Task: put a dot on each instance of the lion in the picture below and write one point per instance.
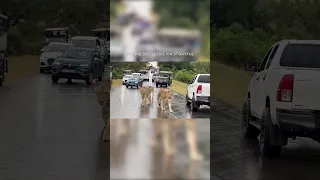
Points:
(166, 128)
(146, 94)
(102, 91)
(165, 96)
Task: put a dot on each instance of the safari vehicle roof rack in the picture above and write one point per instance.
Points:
(57, 29)
(3, 16)
(179, 32)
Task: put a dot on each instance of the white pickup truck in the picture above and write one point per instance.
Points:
(199, 92)
(283, 97)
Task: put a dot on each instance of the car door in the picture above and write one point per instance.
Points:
(261, 84)
(191, 87)
(254, 89)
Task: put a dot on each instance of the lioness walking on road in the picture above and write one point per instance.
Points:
(165, 96)
(146, 94)
(166, 128)
(102, 91)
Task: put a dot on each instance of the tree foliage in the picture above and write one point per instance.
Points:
(244, 30)
(36, 15)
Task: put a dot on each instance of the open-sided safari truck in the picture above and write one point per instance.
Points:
(102, 34)
(56, 35)
(3, 47)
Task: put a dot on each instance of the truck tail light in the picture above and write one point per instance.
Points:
(285, 89)
(199, 89)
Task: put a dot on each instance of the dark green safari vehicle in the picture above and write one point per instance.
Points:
(167, 74)
(78, 63)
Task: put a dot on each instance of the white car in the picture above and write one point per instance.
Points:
(51, 52)
(125, 78)
(283, 95)
(199, 91)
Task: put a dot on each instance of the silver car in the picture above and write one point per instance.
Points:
(51, 52)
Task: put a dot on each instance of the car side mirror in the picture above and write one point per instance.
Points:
(251, 66)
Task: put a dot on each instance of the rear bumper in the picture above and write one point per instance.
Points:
(203, 100)
(306, 121)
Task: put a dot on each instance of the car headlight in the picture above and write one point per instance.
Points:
(84, 65)
(56, 63)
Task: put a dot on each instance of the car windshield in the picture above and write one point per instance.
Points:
(165, 75)
(84, 43)
(204, 79)
(301, 55)
(133, 79)
(136, 74)
(77, 54)
(162, 77)
(128, 76)
(156, 75)
(56, 48)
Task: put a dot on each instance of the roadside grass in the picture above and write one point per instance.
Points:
(116, 83)
(20, 66)
(179, 87)
(203, 59)
(229, 84)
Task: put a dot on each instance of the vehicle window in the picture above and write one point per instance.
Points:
(77, 54)
(275, 49)
(84, 43)
(204, 79)
(264, 61)
(193, 79)
(56, 48)
(301, 55)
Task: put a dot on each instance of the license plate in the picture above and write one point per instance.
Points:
(68, 71)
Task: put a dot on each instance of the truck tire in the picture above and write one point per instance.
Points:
(187, 100)
(1, 82)
(194, 105)
(127, 86)
(248, 130)
(89, 79)
(156, 85)
(266, 148)
(54, 79)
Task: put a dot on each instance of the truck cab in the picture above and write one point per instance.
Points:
(3, 47)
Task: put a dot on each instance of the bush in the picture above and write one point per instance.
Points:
(185, 75)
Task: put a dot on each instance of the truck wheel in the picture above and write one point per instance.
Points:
(156, 85)
(127, 86)
(42, 71)
(1, 82)
(54, 79)
(101, 77)
(194, 105)
(248, 130)
(187, 100)
(266, 148)
(89, 79)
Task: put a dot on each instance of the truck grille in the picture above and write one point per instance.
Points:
(50, 61)
(66, 66)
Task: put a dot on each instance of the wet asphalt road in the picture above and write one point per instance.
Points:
(233, 157)
(132, 157)
(51, 132)
(126, 103)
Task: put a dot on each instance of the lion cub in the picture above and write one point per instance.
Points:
(165, 96)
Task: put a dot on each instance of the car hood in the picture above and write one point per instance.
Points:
(72, 61)
(51, 54)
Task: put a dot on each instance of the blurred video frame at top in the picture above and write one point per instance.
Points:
(160, 31)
